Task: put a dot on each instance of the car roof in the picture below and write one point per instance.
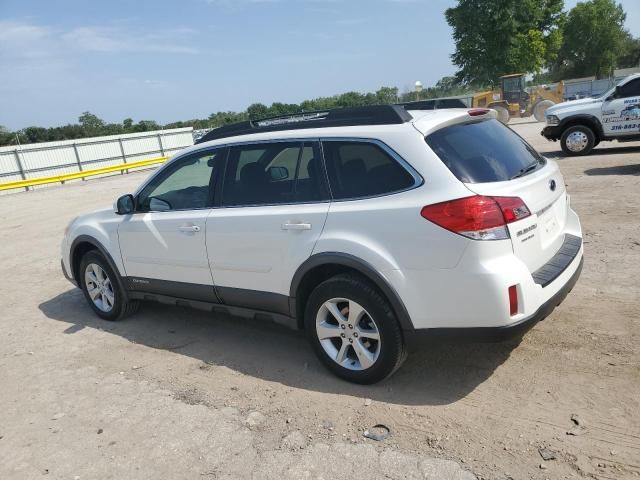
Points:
(424, 121)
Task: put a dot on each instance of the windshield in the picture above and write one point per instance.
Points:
(484, 151)
(514, 84)
(605, 94)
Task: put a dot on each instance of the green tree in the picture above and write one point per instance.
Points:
(278, 108)
(445, 87)
(146, 126)
(387, 95)
(35, 135)
(91, 123)
(6, 137)
(256, 111)
(630, 52)
(498, 37)
(127, 123)
(594, 37)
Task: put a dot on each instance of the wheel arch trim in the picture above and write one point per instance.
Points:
(362, 267)
(586, 120)
(80, 239)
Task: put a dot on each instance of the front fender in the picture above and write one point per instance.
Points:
(587, 119)
(99, 229)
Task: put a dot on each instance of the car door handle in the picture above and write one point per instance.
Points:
(296, 226)
(189, 228)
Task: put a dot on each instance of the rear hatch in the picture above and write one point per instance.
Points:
(493, 161)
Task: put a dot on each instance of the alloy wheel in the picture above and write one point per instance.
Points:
(99, 287)
(348, 334)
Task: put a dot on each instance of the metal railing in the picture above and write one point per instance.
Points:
(81, 174)
(34, 165)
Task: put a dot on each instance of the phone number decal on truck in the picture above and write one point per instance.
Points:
(626, 127)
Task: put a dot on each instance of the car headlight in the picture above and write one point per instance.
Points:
(553, 120)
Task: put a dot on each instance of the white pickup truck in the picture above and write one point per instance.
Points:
(580, 125)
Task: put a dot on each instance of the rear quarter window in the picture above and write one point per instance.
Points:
(363, 169)
(484, 151)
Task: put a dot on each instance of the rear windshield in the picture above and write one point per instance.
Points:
(484, 151)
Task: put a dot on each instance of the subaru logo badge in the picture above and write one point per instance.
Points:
(552, 185)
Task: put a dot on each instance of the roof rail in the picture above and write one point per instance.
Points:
(434, 104)
(338, 117)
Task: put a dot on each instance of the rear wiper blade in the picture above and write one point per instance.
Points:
(525, 170)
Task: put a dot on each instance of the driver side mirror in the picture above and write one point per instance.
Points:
(125, 205)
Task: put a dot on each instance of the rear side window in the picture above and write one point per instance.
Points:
(484, 151)
(362, 169)
(274, 173)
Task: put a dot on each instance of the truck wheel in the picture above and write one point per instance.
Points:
(577, 140)
(353, 330)
(541, 108)
(503, 113)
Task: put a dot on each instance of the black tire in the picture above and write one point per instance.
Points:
(588, 144)
(392, 352)
(503, 113)
(540, 109)
(122, 306)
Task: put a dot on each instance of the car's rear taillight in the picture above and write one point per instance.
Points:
(477, 217)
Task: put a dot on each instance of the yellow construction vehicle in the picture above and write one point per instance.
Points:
(514, 99)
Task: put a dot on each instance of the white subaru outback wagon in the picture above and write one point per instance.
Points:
(365, 227)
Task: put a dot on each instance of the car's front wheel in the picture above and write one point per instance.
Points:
(102, 287)
(354, 330)
(577, 140)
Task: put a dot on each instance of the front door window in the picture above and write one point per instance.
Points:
(183, 186)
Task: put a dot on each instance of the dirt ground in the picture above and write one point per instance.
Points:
(176, 393)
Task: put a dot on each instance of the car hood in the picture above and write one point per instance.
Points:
(100, 214)
(572, 104)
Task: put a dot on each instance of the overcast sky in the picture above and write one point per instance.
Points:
(169, 61)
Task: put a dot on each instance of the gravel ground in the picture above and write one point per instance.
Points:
(175, 393)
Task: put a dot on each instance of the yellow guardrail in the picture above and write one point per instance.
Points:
(85, 173)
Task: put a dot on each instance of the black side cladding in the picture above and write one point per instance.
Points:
(339, 117)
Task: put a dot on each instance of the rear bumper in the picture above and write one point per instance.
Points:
(559, 262)
(553, 132)
(503, 332)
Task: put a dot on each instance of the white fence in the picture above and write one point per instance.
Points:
(591, 87)
(70, 156)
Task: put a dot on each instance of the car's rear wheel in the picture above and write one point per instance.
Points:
(103, 289)
(354, 330)
(577, 140)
